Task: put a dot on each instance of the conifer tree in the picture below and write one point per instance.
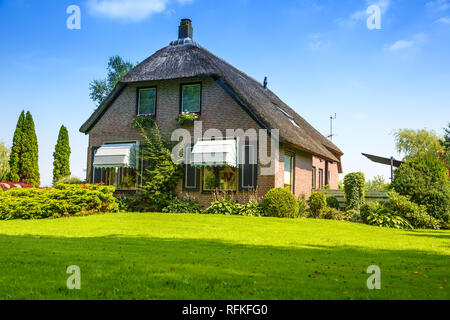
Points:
(29, 158)
(61, 156)
(15, 158)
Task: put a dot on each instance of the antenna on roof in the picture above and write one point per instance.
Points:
(265, 83)
(331, 135)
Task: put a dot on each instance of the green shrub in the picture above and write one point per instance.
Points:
(384, 217)
(252, 209)
(354, 187)
(63, 200)
(183, 205)
(279, 202)
(333, 202)
(302, 206)
(426, 182)
(331, 214)
(414, 213)
(368, 209)
(352, 215)
(316, 202)
(223, 206)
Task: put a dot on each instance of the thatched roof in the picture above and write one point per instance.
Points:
(186, 59)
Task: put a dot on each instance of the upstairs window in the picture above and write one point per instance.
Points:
(146, 101)
(191, 98)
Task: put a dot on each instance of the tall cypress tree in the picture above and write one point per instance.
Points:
(61, 156)
(30, 166)
(15, 158)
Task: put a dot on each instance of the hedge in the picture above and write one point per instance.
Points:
(63, 200)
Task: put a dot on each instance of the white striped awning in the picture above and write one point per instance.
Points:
(116, 155)
(214, 153)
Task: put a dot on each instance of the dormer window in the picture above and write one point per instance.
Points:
(191, 98)
(146, 101)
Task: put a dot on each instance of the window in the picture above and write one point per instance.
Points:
(289, 172)
(121, 178)
(314, 178)
(219, 178)
(146, 101)
(248, 169)
(320, 178)
(191, 98)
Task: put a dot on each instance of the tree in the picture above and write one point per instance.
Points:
(426, 182)
(4, 161)
(117, 68)
(61, 156)
(446, 141)
(29, 159)
(377, 184)
(417, 143)
(15, 158)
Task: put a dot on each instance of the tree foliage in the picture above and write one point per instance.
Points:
(354, 188)
(417, 143)
(377, 184)
(30, 153)
(160, 176)
(4, 161)
(61, 156)
(117, 68)
(426, 182)
(15, 163)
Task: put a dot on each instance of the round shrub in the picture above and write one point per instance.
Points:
(316, 202)
(333, 202)
(354, 187)
(281, 203)
(223, 206)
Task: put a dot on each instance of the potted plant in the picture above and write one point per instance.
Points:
(187, 118)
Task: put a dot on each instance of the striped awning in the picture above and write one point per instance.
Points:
(214, 153)
(116, 155)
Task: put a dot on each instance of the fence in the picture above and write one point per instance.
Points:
(370, 196)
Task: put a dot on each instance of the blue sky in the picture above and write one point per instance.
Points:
(319, 57)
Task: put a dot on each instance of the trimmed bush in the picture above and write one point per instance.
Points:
(354, 187)
(279, 202)
(183, 205)
(333, 202)
(63, 200)
(316, 202)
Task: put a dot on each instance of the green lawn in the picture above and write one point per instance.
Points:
(164, 256)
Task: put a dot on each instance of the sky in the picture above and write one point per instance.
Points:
(320, 57)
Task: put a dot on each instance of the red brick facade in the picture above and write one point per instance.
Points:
(218, 111)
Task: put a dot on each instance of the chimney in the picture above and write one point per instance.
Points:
(265, 83)
(185, 29)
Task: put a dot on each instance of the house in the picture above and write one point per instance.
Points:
(185, 77)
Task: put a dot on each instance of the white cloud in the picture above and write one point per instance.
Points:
(400, 44)
(317, 43)
(362, 14)
(130, 10)
(405, 44)
(444, 20)
(440, 5)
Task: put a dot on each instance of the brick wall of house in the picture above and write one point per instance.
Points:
(319, 163)
(219, 111)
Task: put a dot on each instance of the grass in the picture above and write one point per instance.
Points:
(164, 256)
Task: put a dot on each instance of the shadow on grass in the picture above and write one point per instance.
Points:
(116, 267)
